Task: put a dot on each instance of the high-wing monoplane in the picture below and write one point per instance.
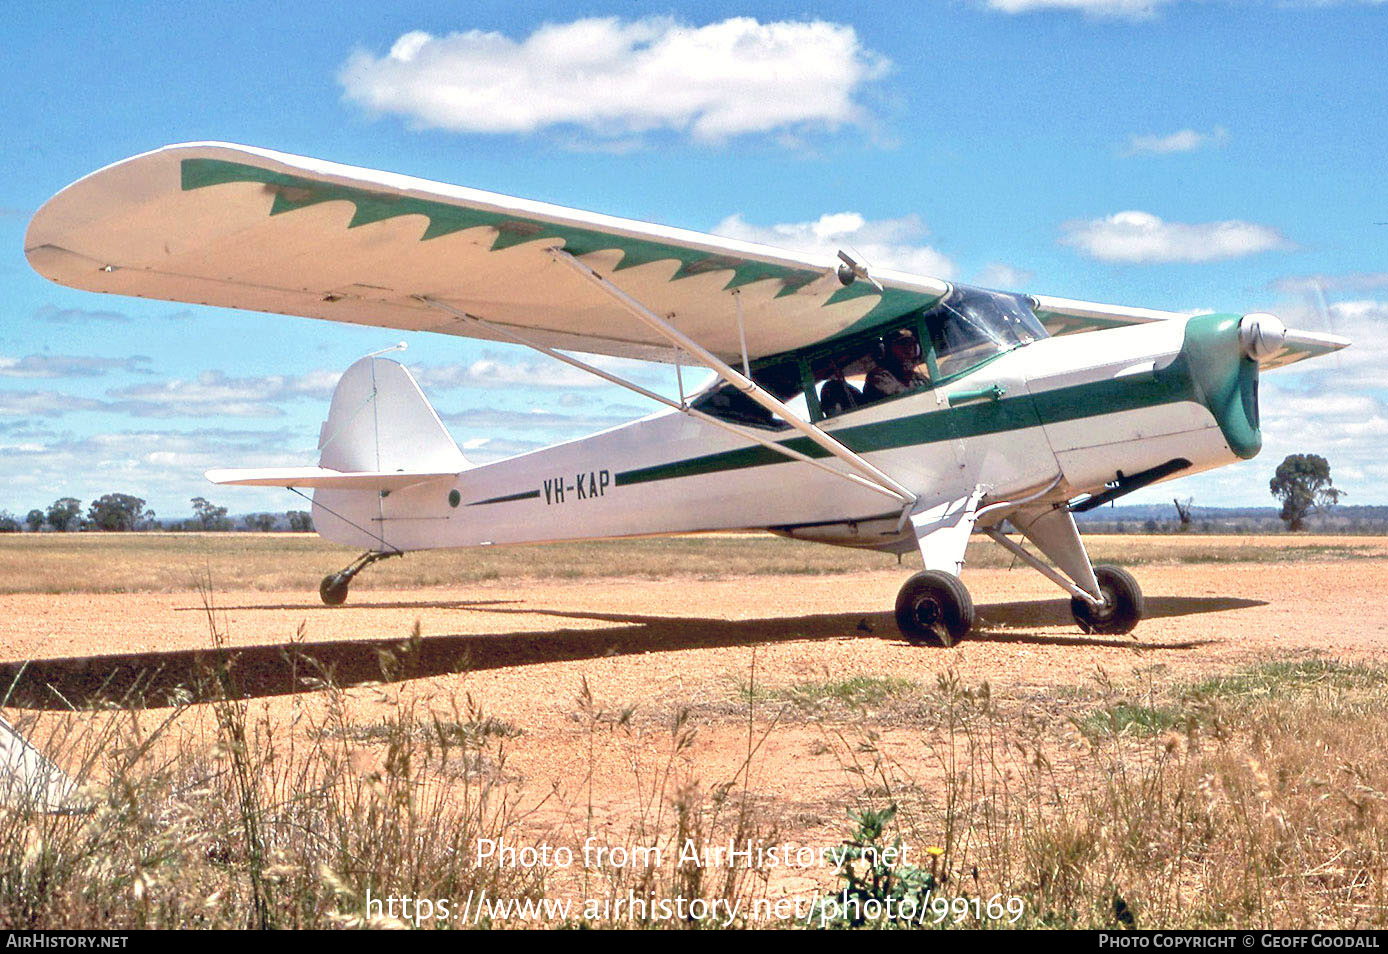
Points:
(850, 406)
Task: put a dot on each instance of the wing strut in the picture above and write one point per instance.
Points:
(737, 379)
(506, 332)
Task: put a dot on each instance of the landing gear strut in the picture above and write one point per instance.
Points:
(333, 588)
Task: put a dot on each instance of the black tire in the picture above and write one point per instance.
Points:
(1122, 604)
(934, 609)
(333, 590)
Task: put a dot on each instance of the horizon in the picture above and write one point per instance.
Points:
(934, 140)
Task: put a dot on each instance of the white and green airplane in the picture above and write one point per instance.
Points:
(866, 409)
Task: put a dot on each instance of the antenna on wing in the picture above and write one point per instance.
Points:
(850, 271)
(398, 346)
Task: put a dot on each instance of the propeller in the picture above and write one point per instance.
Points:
(1325, 315)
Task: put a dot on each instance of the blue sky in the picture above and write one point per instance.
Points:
(1214, 155)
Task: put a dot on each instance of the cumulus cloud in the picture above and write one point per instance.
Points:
(213, 393)
(534, 419)
(43, 403)
(616, 79)
(1004, 277)
(496, 371)
(164, 467)
(78, 316)
(1186, 140)
(68, 366)
(1314, 284)
(880, 243)
(1130, 9)
(1141, 238)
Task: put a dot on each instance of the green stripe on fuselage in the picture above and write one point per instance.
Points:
(1169, 386)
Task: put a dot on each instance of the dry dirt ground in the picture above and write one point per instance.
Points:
(523, 652)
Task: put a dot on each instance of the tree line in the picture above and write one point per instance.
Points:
(124, 512)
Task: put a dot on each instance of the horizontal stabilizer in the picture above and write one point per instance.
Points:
(323, 477)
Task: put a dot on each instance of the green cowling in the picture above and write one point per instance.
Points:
(1226, 378)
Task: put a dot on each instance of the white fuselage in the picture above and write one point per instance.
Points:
(1081, 408)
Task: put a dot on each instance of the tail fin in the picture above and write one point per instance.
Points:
(381, 437)
(381, 422)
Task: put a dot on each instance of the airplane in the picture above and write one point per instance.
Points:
(850, 405)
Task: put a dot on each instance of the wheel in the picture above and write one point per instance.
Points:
(1122, 603)
(333, 589)
(934, 608)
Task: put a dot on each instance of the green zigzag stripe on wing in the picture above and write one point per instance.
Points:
(295, 192)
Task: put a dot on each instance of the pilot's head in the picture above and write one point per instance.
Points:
(902, 347)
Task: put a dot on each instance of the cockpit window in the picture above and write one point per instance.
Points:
(972, 325)
(965, 329)
(727, 402)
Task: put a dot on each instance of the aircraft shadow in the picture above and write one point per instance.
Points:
(152, 679)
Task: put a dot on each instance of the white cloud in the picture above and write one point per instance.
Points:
(1004, 277)
(68, 366)
(1144, 239)
(1131, 9)
(1186, 140)
(1313, 284)
(495, 371)
(883, 243)
(617, 78)
(43, 403)
(213, 393)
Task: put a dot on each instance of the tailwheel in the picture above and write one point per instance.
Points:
(1122, 607)
(333, 588)
(934, 608)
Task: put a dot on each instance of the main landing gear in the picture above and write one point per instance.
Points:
(333, 588)
(934, 607)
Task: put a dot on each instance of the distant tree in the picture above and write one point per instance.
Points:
(8, 523)
(1302, 483)
(1183, 511)
(1150, 526)
(118, 512)
(65, 513)
(300, 521)
(261, 522)
(209, 516)
(35, 520)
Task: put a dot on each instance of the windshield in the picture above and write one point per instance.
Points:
(973, 325)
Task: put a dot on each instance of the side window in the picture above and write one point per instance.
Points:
(730, 404)
(900, 370)
(869, 371)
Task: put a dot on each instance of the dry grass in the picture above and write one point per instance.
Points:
(1237, 809)
(1264, 803)
(175, 562)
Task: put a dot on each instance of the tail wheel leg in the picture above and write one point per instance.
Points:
(333, 588)
(1122, 607)
(934, 608)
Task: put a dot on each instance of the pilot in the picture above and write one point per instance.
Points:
(897, 372)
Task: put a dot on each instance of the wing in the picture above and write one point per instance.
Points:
(1065, 316)
(247, 228)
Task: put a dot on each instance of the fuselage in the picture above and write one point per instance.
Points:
(1077, 412)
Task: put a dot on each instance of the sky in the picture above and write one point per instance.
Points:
(1192, 155)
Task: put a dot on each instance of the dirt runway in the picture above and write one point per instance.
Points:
(523, 651)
